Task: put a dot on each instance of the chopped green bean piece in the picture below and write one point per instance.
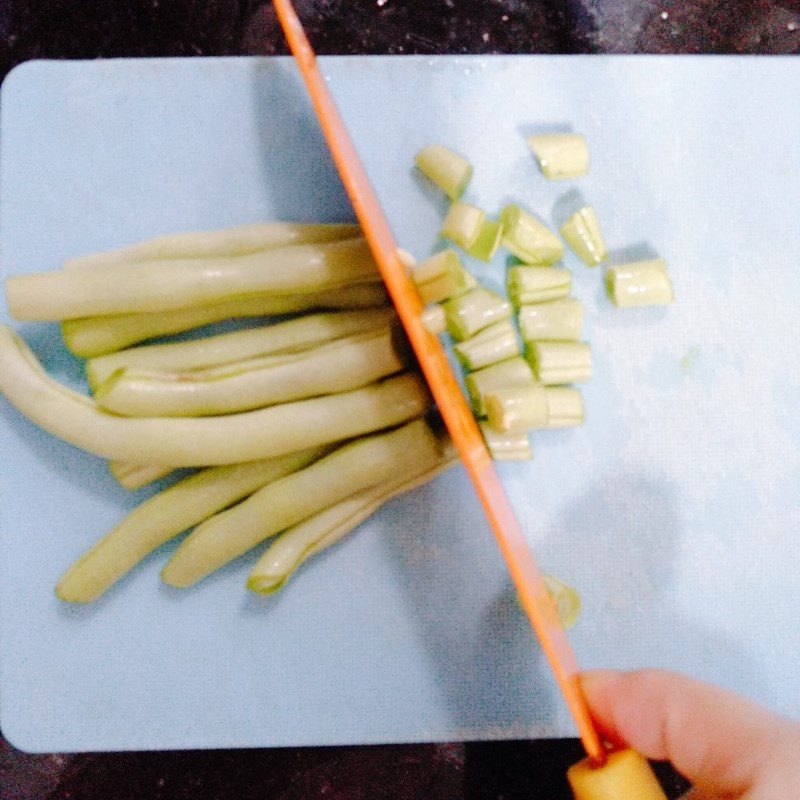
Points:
(488, 240)
(506, 446)
(462, 224)
(528, 239)
(556, 363)
(495, 343)
(644, 283)
(472, 312)
(434, 320)
(440, 277)
(517, 408)
(561, 155)
(505, 374)
(567, 600)
(448, 170)
(564, 407)
(537, 284)
(582, 233)
(552, 321)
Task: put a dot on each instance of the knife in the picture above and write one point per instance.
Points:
(599, 767)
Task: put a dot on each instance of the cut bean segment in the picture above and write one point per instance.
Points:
(150, 286)
(556, 363)
(564, 407)
(167, 514)
(489, 238)
(528, 239)
(644, 283)
(472, 312)
(561, 155)
(448, 170)
(496, 343)
(567, 600)
(517, 409)
(559, 320)
(279, 505)
(237, 241)
(462, 225)
(434, 319)
(506, 446)
(537, 284)
(505, 374)
(582, 233)
(440, 277)
(95, 336)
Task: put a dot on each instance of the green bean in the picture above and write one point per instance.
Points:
(279, 505)
(244, 385)
(205, 441)
(167, 514)
(166, 285)
(95, 336)
(238, 241)
(303, 541)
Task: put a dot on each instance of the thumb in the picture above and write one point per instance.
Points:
(719, 741)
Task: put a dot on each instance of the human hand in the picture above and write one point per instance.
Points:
(726, 746)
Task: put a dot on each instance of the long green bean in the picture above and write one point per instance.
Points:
(225, 348)
(167, 514)
(205, 441)
(238, 241)
(301, 542)
(279, 505)
(165, 285)
(244, 385)
(95, 336)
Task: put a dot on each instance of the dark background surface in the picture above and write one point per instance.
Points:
(113, 28)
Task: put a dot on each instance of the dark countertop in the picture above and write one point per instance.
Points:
(108, 28)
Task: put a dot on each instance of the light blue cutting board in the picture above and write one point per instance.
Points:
(674, 511)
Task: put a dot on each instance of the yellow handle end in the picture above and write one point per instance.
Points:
(625, 776)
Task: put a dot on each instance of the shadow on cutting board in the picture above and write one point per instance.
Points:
(493, 682)
(293, 153)
(617, 544)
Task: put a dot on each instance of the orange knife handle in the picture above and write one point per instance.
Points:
(625, 776)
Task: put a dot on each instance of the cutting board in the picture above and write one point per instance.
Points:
(674, 511)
